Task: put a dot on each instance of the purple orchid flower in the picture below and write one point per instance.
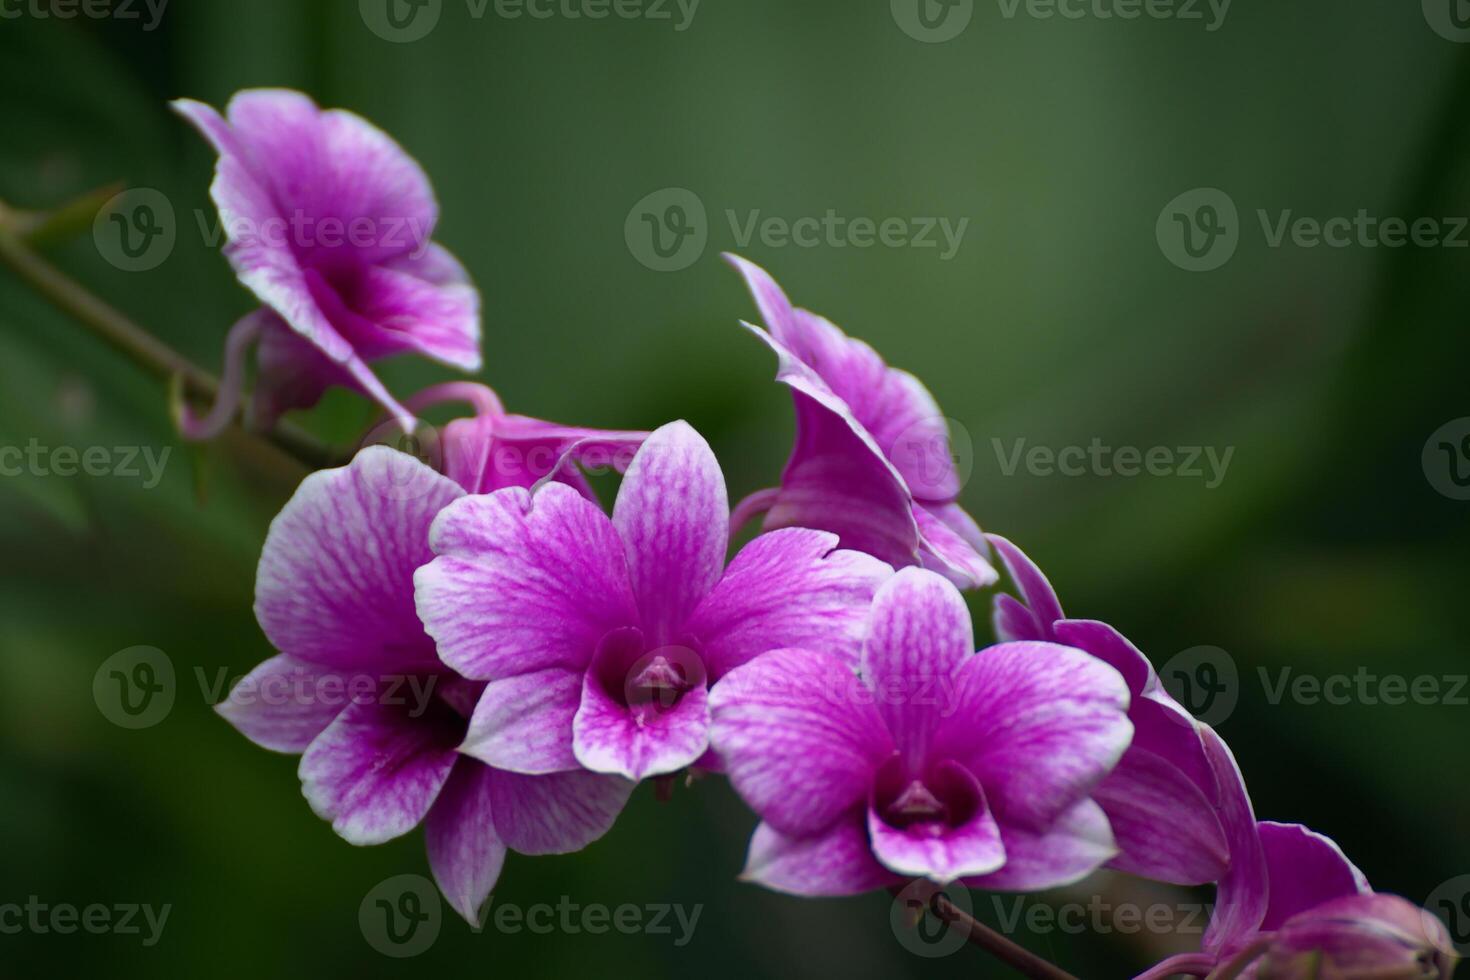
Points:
(493, 449)
(599, 637)
(872, 461)
(328, 222)
(1291, 906)
(360, 691)
(1162, 797)
(933, 761)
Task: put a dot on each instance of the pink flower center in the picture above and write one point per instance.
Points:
(646, 682)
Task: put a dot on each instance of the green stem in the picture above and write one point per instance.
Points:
(1017, 957)
(138, 345)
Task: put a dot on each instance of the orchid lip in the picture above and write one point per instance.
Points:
(646, 682)
(938, 801)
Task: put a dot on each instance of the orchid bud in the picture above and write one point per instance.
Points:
(1361, 937)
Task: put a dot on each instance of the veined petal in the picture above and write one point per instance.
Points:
(280, 704)
(1068, 850)
(1039, 724)
(423, 303)
(673, 515)
(523, 583)
(919, 635)
(787, 588)
(465, 852)
(1039, 599)
(609, 737)
(1165, 827)
(947, 547)
(837, 478)
(1305, 870)
(835, 861)
(1242, 895)
(524, 723)
(799, 737)
(335, 582)
(558, 813)
(375, 771)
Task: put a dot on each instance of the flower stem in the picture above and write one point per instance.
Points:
(1020, 959)
(137, 344)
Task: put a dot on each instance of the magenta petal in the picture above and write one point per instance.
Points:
(837, 478)
(835, 861)
(1076, 844)
(610, 737)
(674, 518)
(946, 547)
(1040, 725)
(524, 723)
(423, 303)
(788, 588)
(280, 704)
(1305, 870)
(920, 633)
(523, 583)
(971, 847)
(798, 739)
(1039, 597)
(335, 582)
(465, 852)
(1243, 892)
(374, 772)
(558, 813)
(1165, 827)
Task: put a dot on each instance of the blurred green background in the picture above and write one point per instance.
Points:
(1326, 548)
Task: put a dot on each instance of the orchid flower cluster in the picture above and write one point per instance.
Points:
(829, 669)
